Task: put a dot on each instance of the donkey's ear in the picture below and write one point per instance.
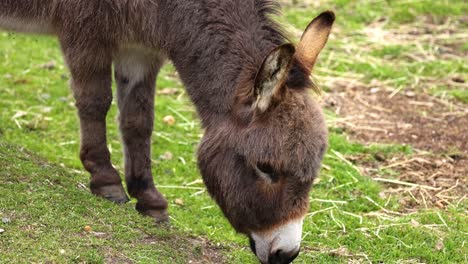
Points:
(272, 75)
(314, 38)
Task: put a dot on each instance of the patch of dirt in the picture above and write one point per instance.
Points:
(208, 252)
(423, 181)
(117, 258)
(383, 115)
(194, 250)
(444, 35)
(197, 250)
(436, 175)
(342, 252)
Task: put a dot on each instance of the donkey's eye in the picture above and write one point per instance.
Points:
(266, 172)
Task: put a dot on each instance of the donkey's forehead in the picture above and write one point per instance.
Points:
(293, 138)
(276, 143)
(291, 122)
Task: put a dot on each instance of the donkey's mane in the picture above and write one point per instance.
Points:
(269, 30)
(266, 9)
(298, 77)
(220, 47)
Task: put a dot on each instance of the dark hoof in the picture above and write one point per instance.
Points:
(159, 215)
(114, 193)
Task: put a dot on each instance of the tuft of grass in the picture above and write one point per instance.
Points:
(459, 94)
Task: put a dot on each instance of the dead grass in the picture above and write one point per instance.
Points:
(198, 250)
(426, 30)
(384, 111)
(435, 176)
(422, 181)
(376, 113)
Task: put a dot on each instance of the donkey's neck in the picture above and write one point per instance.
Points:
(213, 43)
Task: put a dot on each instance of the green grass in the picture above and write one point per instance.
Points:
(48, 210)
(355, 14)
(379, 41)
(460, 94)
(41, 178)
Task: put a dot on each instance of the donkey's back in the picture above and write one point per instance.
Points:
(100, 20)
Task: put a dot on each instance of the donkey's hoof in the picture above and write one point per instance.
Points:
(159, 215)
(114, 193)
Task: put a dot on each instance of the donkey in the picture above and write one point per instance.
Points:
(264, 138)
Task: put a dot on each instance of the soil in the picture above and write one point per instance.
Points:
(419, 120)
(437, 173)
(197, 250)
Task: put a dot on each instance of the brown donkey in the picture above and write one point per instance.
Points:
(264, 135)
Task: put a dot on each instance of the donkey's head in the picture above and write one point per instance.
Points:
(260, 164)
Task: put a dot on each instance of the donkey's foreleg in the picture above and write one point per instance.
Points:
(135, 73)
(93, 95)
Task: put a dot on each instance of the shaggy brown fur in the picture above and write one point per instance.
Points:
(249, 90)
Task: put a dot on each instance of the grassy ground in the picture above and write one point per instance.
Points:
(45, 204)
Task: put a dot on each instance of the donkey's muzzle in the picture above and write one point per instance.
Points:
(280, 245)
(278, 257)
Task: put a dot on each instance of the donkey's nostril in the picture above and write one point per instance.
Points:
(281, 257)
